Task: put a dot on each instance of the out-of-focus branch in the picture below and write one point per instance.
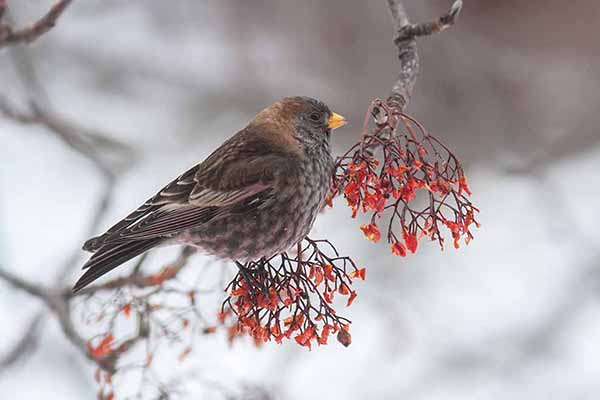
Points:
(59, 302)
(108, 156)
(90, 144)
(27, 342)
(55, 302)
(407, 48)
(21, 284)
(25, 346)
(10, 36)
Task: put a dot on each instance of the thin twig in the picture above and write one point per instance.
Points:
(58, 301)
(407, 49)
(28, 287)
(90, 144)
(24, 346)
(9, 36)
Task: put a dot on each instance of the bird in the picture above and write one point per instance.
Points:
(255, 196)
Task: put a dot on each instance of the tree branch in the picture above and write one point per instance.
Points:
(88, 143)
(25, 346)
(55, 302)
(21, 284)
(59, 302)
(8, 36)
(91, 145)
(406, 33)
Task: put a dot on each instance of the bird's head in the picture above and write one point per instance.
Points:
(300, 121)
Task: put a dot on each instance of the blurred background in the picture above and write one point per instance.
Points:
(513, 88)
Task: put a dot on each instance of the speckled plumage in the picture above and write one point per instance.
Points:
(256, 195)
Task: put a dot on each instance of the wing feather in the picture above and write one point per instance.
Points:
(241, 174)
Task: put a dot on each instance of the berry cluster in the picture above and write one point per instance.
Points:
(284, 297)
(400, 171)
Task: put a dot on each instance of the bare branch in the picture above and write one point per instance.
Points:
(21, 284)
(24, 346)
(90, 144)
(8, 36)
(407, 49)
(54, 302)
(59, 306)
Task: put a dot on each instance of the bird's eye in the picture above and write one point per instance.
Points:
(315, 116)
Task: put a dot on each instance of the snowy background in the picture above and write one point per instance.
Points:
(514, 87)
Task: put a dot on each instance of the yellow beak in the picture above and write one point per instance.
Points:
(336, 121)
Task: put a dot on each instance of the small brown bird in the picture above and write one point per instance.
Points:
(255, 196)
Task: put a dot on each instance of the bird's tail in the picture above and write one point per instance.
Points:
(110, 256)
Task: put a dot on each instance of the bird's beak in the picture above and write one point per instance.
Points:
(336, 121)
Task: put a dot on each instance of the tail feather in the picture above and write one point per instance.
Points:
(109, 257)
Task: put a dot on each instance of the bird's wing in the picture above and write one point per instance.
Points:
(238, 176)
